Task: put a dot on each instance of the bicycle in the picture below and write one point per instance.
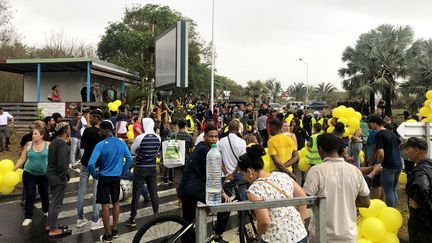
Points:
(174, 229)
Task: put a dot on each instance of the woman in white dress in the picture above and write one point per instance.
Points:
(284, 224)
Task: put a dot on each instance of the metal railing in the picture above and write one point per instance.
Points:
(318, 208)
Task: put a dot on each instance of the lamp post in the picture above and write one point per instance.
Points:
(307, 81)
(212, 62)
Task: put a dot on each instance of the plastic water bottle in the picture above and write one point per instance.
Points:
(213, 182)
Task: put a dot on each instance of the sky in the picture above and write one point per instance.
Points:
(255, 40)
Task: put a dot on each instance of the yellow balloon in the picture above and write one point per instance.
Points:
(130, 135)
(354, 122)
(112, 106)
(130, 128)
(303, 165)
(363, 240)
(389, 238)
(337, 112)
(425, 111)
(427, 103)
(343, 120)
(20, 173)
(10, 179)
(429, 94)
(379, 204)
(350, 112)
(330, 129)
(373, 229)
(329, 123)
(6, 189)
(117, 103)
(372, 211)
(361, 154)
(358, 115)
(391, 218)
(157, 160)
(347, 132)
(403, 178)
(303, 152)
(6, 166)
(1, 179)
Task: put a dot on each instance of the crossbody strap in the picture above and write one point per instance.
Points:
(280, 190)
(232, 150)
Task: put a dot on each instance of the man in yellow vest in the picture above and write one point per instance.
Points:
(190, 121)
(316, 118)
(312, 155)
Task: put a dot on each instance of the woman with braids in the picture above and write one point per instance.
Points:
(284, 224)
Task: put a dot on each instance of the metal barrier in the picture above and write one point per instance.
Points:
(318, 208)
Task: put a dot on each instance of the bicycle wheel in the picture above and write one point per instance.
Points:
(166, 228)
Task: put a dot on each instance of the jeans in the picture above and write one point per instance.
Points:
(57, 195)
(389, 181)
(75, 144)
(355, 149)
(4, 129)
(30, 181)
(144, 176)
(82, 191)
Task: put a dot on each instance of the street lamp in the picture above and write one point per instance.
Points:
(212, 62)
(307, 81)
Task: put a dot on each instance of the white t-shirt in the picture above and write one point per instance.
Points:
(199, 139)
(4, 118)
(340, 183)
(83, 125)
(238, 147)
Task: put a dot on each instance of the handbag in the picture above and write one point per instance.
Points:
(173, 152)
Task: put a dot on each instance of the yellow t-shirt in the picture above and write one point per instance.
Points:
(283, 147)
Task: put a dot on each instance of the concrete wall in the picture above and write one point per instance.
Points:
(70, 84)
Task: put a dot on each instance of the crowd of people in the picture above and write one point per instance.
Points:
(98, 144)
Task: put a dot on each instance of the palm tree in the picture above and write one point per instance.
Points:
(274, 88)
(256, 90)
(323, 90)
(297, 90)
(419, 58)
(377, 60)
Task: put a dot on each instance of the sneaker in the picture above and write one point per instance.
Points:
(114, 233)
(81, 223)
(46, 215)
(105, 238)
(96, 225)
(26, 222)
(131, 222)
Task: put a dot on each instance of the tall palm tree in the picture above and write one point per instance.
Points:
(297, 90)
(274, 88)
(419, 58)
(256, 90)
(323, 90)
(377, 60)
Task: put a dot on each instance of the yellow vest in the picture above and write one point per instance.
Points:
(192, 124)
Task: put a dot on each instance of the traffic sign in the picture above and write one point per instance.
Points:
(417, 129)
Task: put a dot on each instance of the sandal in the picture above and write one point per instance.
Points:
(65, 232)
(62, 227)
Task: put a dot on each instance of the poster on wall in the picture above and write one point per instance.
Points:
(72, 108)
(47, 109)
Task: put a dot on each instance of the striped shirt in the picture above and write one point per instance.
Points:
(148, 151)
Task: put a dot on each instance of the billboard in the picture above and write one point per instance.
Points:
(172, 57)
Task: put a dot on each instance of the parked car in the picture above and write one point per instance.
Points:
(293, 104)
(276, 106)
(317, 105)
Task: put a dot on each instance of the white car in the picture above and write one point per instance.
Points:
(293, 104)
(276, 106)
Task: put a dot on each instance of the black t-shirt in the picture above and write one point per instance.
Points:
(25, 139)
(387, 140)
(90, 137)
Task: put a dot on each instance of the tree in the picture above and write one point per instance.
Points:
(376, 62)
(274, 88)
(223, 83)
(297, 90)
(131, 43)
(419, 58)
(256, 90)
(323, 90)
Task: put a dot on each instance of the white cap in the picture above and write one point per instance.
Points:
(316, 113)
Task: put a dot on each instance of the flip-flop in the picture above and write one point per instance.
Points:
(64, 233)
(62, 227)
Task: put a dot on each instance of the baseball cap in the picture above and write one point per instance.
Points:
(97, 112)
(61, 125)
(415, 142)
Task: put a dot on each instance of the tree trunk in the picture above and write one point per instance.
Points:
(388, 102)
(372, 102)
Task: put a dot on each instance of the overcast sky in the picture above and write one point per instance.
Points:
(254, 39)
